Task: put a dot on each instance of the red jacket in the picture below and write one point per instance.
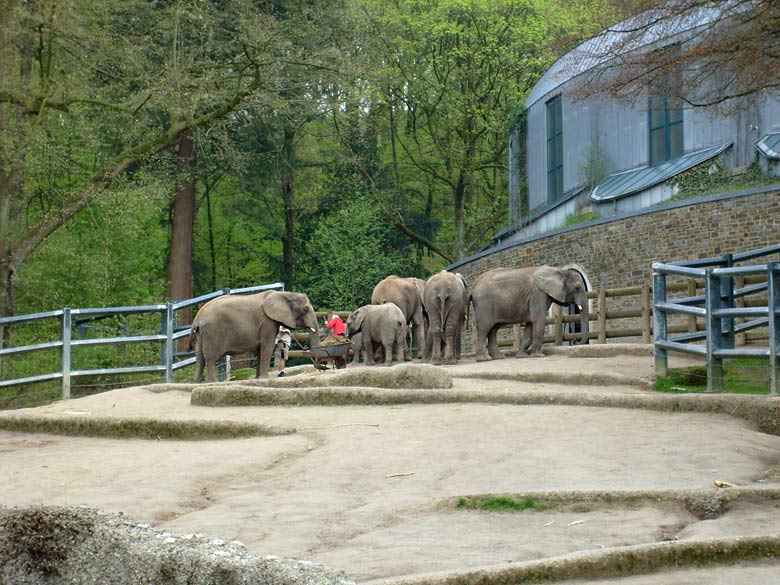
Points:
(337, 324)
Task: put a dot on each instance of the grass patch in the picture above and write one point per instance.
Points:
(748, 376)
(578, 218)
(500, 504)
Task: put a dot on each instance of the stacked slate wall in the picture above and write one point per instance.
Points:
(618, 252)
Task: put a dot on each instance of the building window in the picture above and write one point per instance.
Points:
(666, 129)
(554, 149)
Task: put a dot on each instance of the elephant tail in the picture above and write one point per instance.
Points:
(193, 337)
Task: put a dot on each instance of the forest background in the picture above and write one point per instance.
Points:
(158, 149)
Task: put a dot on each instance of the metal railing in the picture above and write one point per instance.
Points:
(719, 309)
(168, 335)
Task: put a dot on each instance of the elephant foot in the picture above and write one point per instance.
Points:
(497, 356)
(536, 354)
(435, 362)
(450, 362)
(483, 357)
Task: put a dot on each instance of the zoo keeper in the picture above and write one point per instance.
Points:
(283, 341)
(336, 324)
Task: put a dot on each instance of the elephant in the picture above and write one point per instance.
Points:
(379, 324)
(406, 294)
(523, 295)
(446, 300)
(357, 348)
(234, 324)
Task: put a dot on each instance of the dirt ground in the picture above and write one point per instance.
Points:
(372, 490)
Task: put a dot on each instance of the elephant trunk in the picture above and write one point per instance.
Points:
(584, 322)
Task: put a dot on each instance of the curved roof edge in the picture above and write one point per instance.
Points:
(629, 35)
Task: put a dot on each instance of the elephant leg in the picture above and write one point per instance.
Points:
(526, 343)
(434, 331)
(199, 363)
(211, 368)
(458, 340)
(537, 337)
(357, 348)
(449, 344)
(368, 350)
(428, 352)
(400, 346)
(418, 321)
(387, 344)
(264, 351)
(436, 354)
(481, 349)
(493, 343)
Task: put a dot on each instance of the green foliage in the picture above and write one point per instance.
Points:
(711, 178)
(747, 376)
(579, 217)
(593, 167)
(320, 130)
(352, 250)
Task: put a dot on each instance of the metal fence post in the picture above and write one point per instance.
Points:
(170, 326)
(659, 324)
(67, 332)
(716, 339)
(223, 366)
(773, 277)
(727, 300)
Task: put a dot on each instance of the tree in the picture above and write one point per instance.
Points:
(718, 51)
(450, 73)
(98, 94)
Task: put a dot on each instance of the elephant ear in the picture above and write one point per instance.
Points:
(357, 319)
(277, 307)
(550, 281)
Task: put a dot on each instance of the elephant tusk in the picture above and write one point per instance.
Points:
(313, 330)
(579, 307)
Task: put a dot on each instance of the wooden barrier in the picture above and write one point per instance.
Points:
(601, 316)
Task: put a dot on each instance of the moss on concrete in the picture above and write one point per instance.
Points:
(617, 562)
(761, 411)
(135, 428)
(704, 504)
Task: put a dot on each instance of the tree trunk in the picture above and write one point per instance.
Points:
(458, 205)
(288, 196)
(183, 221)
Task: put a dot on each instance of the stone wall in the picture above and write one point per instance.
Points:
(618, 252)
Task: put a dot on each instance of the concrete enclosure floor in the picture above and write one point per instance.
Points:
(373, 490)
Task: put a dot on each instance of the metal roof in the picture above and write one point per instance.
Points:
(636, 180)
(769, 145)
(633, 33)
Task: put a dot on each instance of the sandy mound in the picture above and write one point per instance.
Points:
(80, 545)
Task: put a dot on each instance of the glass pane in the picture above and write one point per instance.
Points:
(674, 105)
(550, 154)
(657, 146)
(676, 144)
(657, 112)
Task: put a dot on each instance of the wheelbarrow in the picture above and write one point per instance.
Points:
(336, 353)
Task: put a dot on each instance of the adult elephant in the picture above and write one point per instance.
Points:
(383, 325)
(406, 294)
(234, 324)
(523, 295)
(446, 299)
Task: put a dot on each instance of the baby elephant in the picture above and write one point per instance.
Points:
(379, 324)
